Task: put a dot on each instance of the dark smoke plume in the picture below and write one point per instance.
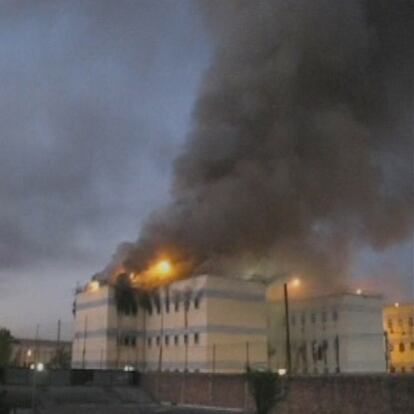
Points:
(301, 149)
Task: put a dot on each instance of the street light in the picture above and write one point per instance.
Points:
(295, 283)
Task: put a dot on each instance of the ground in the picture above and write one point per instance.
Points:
(95, 400)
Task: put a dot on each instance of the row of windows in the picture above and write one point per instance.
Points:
(401, 323)
(175, 339)
(129, 340)
(403, 369)
(314, 317)
(402, 347)
(175, 305)
(133, 310)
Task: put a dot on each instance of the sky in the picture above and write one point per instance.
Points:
(96, 102)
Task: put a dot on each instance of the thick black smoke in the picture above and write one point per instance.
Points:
(301, 149)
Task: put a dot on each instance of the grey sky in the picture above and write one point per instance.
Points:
(95, 101)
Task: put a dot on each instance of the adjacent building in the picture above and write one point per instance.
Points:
(26, 352)
(338, 333)
(205, 323)
(399, 327)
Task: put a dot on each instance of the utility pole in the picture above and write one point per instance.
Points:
(85, 329)
(58, 344)
(35, 358)
(288, 350)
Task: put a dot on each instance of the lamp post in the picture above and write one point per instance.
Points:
(288, 349)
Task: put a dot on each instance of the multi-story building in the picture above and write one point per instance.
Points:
(338, 333)
(399, 327)
(26, 352)
(205, 323)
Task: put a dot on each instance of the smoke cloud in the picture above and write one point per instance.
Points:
(301, 146)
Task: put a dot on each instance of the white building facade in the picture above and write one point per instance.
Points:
(339, 333)
(205, 323)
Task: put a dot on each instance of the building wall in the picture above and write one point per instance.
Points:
(330, 334)
(205, 323)
(399, 325)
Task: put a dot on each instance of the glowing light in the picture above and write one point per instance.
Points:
(296, 282)
(29, 352)
(32, 366)
(131, 276)
(282, 371)
(40, 367)
(129, 368)
(359, 291)
(93, 286)
(396, 304)
(163, 267)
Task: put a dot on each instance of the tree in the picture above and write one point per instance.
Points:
(266, 388)
(6, 340)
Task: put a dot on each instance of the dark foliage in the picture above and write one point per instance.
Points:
(266, 388)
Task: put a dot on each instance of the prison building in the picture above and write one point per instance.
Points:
(337, 333)
(399, 327)
(204, 323)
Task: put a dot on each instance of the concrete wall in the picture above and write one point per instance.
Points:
(348, 394)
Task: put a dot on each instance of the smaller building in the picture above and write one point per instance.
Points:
(399, 327)
(26, 352)
(338, 333)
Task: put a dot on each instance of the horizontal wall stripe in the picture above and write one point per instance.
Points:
(170, 365)
(223, 329)
(203, 293)
(95, 304)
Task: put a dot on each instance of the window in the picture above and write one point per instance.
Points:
(402, 347)
(391, 347)
(176, 340)
(177, 303)
(186, 339)
(158, 306)
(196, 302)
(150, 310)
(303, 319)
(126, 340)
(400, 322)
(403, 370)
(167, 340)
(133, 341)
(167, 302)
(412, 346)
(335, 315)
(149, 342)
(324, 316)
(390, 327)
(313, 317)
(196, 338)
(158, 341)
(410, 322)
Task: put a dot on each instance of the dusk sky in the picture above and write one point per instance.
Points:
(96, 102)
